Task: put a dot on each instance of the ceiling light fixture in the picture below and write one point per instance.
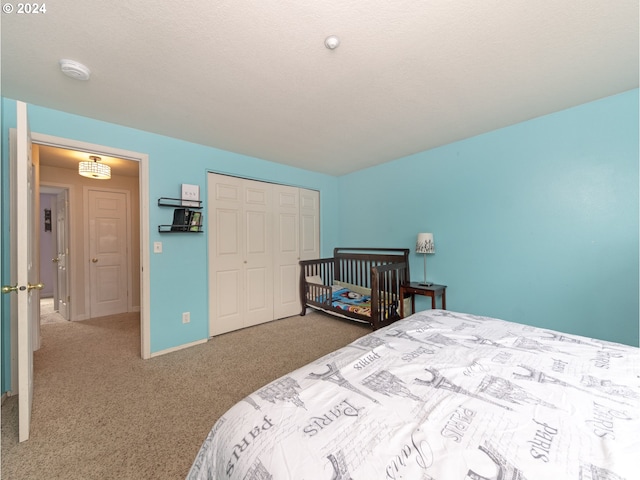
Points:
(74, 69)
(93, 169)
(332, 42)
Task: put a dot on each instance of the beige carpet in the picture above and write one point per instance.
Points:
(101, 412)
(47, 312)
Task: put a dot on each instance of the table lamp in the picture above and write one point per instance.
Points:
(425, 245)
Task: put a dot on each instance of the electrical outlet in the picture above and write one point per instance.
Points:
(186, 317)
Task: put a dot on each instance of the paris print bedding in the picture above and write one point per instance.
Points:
(437, 396)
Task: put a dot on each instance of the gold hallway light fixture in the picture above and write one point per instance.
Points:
(93, 169)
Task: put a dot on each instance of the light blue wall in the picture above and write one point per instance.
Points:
(178, 275)
(535, 223)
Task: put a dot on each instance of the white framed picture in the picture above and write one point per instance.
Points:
(190, 195)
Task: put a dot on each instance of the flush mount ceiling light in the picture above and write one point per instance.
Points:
(74, 69)
(331, 42)
(93, 169)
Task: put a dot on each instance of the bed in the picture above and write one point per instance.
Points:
(440, 395)
(361, 284)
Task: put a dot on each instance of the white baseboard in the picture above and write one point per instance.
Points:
(180, 347)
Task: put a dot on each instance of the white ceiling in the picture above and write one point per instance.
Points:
(254, 76)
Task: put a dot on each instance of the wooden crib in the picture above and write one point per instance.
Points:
(373, 272)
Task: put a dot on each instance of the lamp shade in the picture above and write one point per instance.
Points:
(425, 244)
(93, 169)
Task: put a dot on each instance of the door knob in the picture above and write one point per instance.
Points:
(9, 288)
(37, 286)
(55, 260)
(94, 260)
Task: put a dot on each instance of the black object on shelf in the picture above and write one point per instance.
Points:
(180, 220)
(184, 219)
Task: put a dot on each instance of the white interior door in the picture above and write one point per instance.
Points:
(62, 255)
(286, 251)
(24, 271)
(108, 252)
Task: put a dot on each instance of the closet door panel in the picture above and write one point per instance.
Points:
(309, 224)
(256, 231)
(289, 289)
(226, 252)
(259, 296)
(288, 240)
(227, 233)
(258, 260)
(228, 308)
(286, 254)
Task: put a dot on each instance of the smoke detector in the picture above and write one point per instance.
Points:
(74, 69)
(332, 42)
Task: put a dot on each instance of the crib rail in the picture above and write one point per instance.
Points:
(316, 294)
(353, 265)
(386, 280)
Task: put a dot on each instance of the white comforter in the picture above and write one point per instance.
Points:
(441, 395)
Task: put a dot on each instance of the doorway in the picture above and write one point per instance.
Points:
(58, 165)
(99, 214)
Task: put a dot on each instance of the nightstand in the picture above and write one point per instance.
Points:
(414, 288)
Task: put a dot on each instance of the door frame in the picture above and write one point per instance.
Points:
(143, 186)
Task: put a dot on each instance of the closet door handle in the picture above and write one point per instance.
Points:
(94, 260)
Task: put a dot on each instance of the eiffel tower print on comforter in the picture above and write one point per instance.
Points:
(440, 395)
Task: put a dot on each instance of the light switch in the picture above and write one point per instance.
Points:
(157, 247)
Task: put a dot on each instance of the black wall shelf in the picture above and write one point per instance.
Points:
(184, 212)
(178, 202)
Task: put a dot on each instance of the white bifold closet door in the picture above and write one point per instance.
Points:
(286, 251)
(256, 232)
